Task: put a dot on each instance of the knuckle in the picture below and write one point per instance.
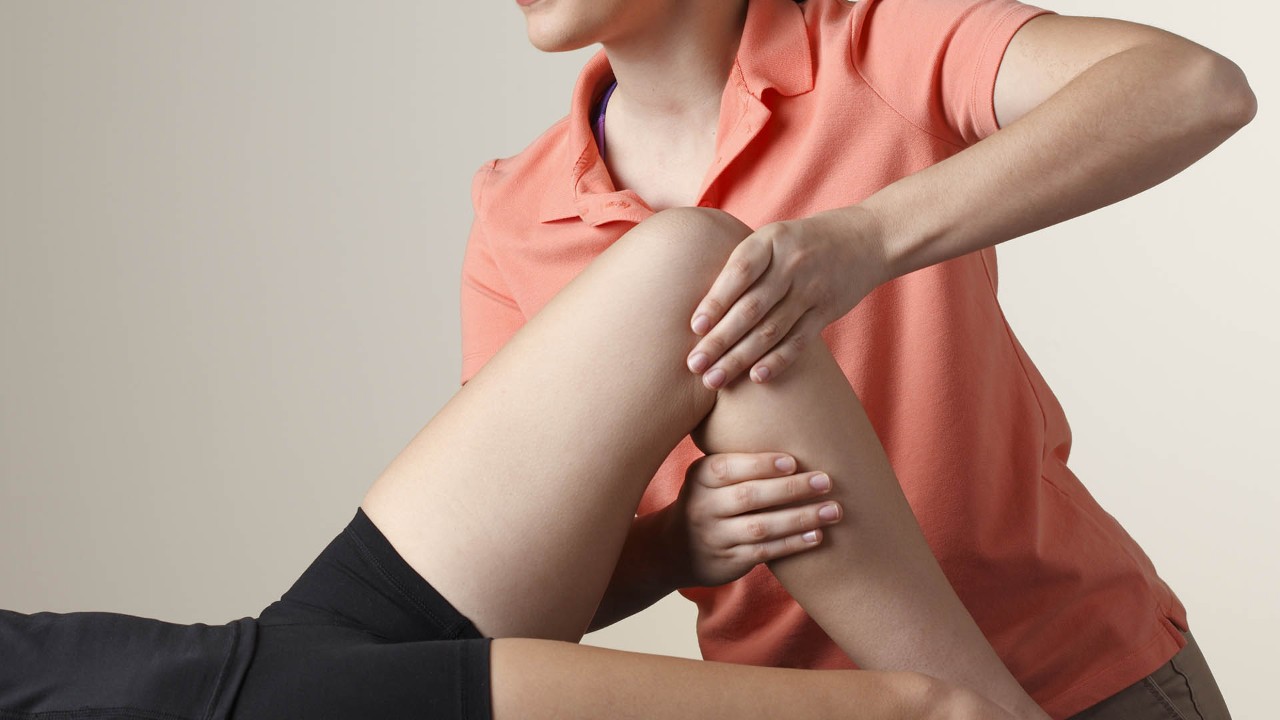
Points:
(731, 364)
(760, 553)
(715, 345)
(807, 520)
(739, 266)
(744, 497)
(795, 544)
(797, 487)
(770, 330)
(757, 530)
(719, 466)
(752, 307)
(799, 341)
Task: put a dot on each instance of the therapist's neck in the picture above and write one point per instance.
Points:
(677, 71)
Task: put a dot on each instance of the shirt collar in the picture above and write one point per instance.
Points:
(773, 54)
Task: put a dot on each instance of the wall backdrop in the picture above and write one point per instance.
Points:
(230, 241)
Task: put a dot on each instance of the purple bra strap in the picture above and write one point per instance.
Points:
(599, 123)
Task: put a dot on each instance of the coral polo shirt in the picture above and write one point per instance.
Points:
(826, 103)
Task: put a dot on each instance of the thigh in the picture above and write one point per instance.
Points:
(1182, 689)
(333, 672)
(96, 665)
(515, 500)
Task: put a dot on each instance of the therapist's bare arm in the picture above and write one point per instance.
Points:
(1094, 110)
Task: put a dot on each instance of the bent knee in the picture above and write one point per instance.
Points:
(699, 239)
(710, 226)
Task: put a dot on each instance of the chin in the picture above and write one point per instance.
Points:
(557, 40)
(563, 25)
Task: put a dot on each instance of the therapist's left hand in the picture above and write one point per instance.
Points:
(780, 288)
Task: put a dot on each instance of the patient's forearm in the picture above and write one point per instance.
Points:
(874, 586)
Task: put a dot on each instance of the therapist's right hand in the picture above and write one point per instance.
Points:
(737, 510)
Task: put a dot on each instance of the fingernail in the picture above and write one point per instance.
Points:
(699, 362)
(820, 482)
(811, 536)
(761, 373)
(785, 464)
(715, 378)
(701, 323)
(830, 511)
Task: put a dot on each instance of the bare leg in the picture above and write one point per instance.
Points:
(547, 680)
(515, 500)
(874, 585)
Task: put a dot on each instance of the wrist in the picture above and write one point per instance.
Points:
(908, 233)
(867, 235)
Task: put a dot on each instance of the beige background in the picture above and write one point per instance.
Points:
(230, 239)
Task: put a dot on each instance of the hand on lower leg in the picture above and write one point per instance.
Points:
(874, 586)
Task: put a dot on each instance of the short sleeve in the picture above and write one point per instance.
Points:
(489, 314)
(935, 61)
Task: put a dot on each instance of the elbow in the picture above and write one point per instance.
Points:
(1221, 90)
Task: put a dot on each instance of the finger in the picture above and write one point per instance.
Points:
(746, 263)
(809, 326)
(752, 495)
(721, 469)
(772, 525)
(782, 547)
(745, 313)
(762, 338)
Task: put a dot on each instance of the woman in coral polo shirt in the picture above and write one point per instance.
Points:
(879, 150)
(851, 180)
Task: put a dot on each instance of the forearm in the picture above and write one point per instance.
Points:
(538, 679)
(1128, 123)
(643, 575)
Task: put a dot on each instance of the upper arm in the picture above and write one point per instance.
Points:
(935, 61)
(490, 316)
(1049, 51)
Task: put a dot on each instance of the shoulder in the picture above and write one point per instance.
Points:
(514, 184)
